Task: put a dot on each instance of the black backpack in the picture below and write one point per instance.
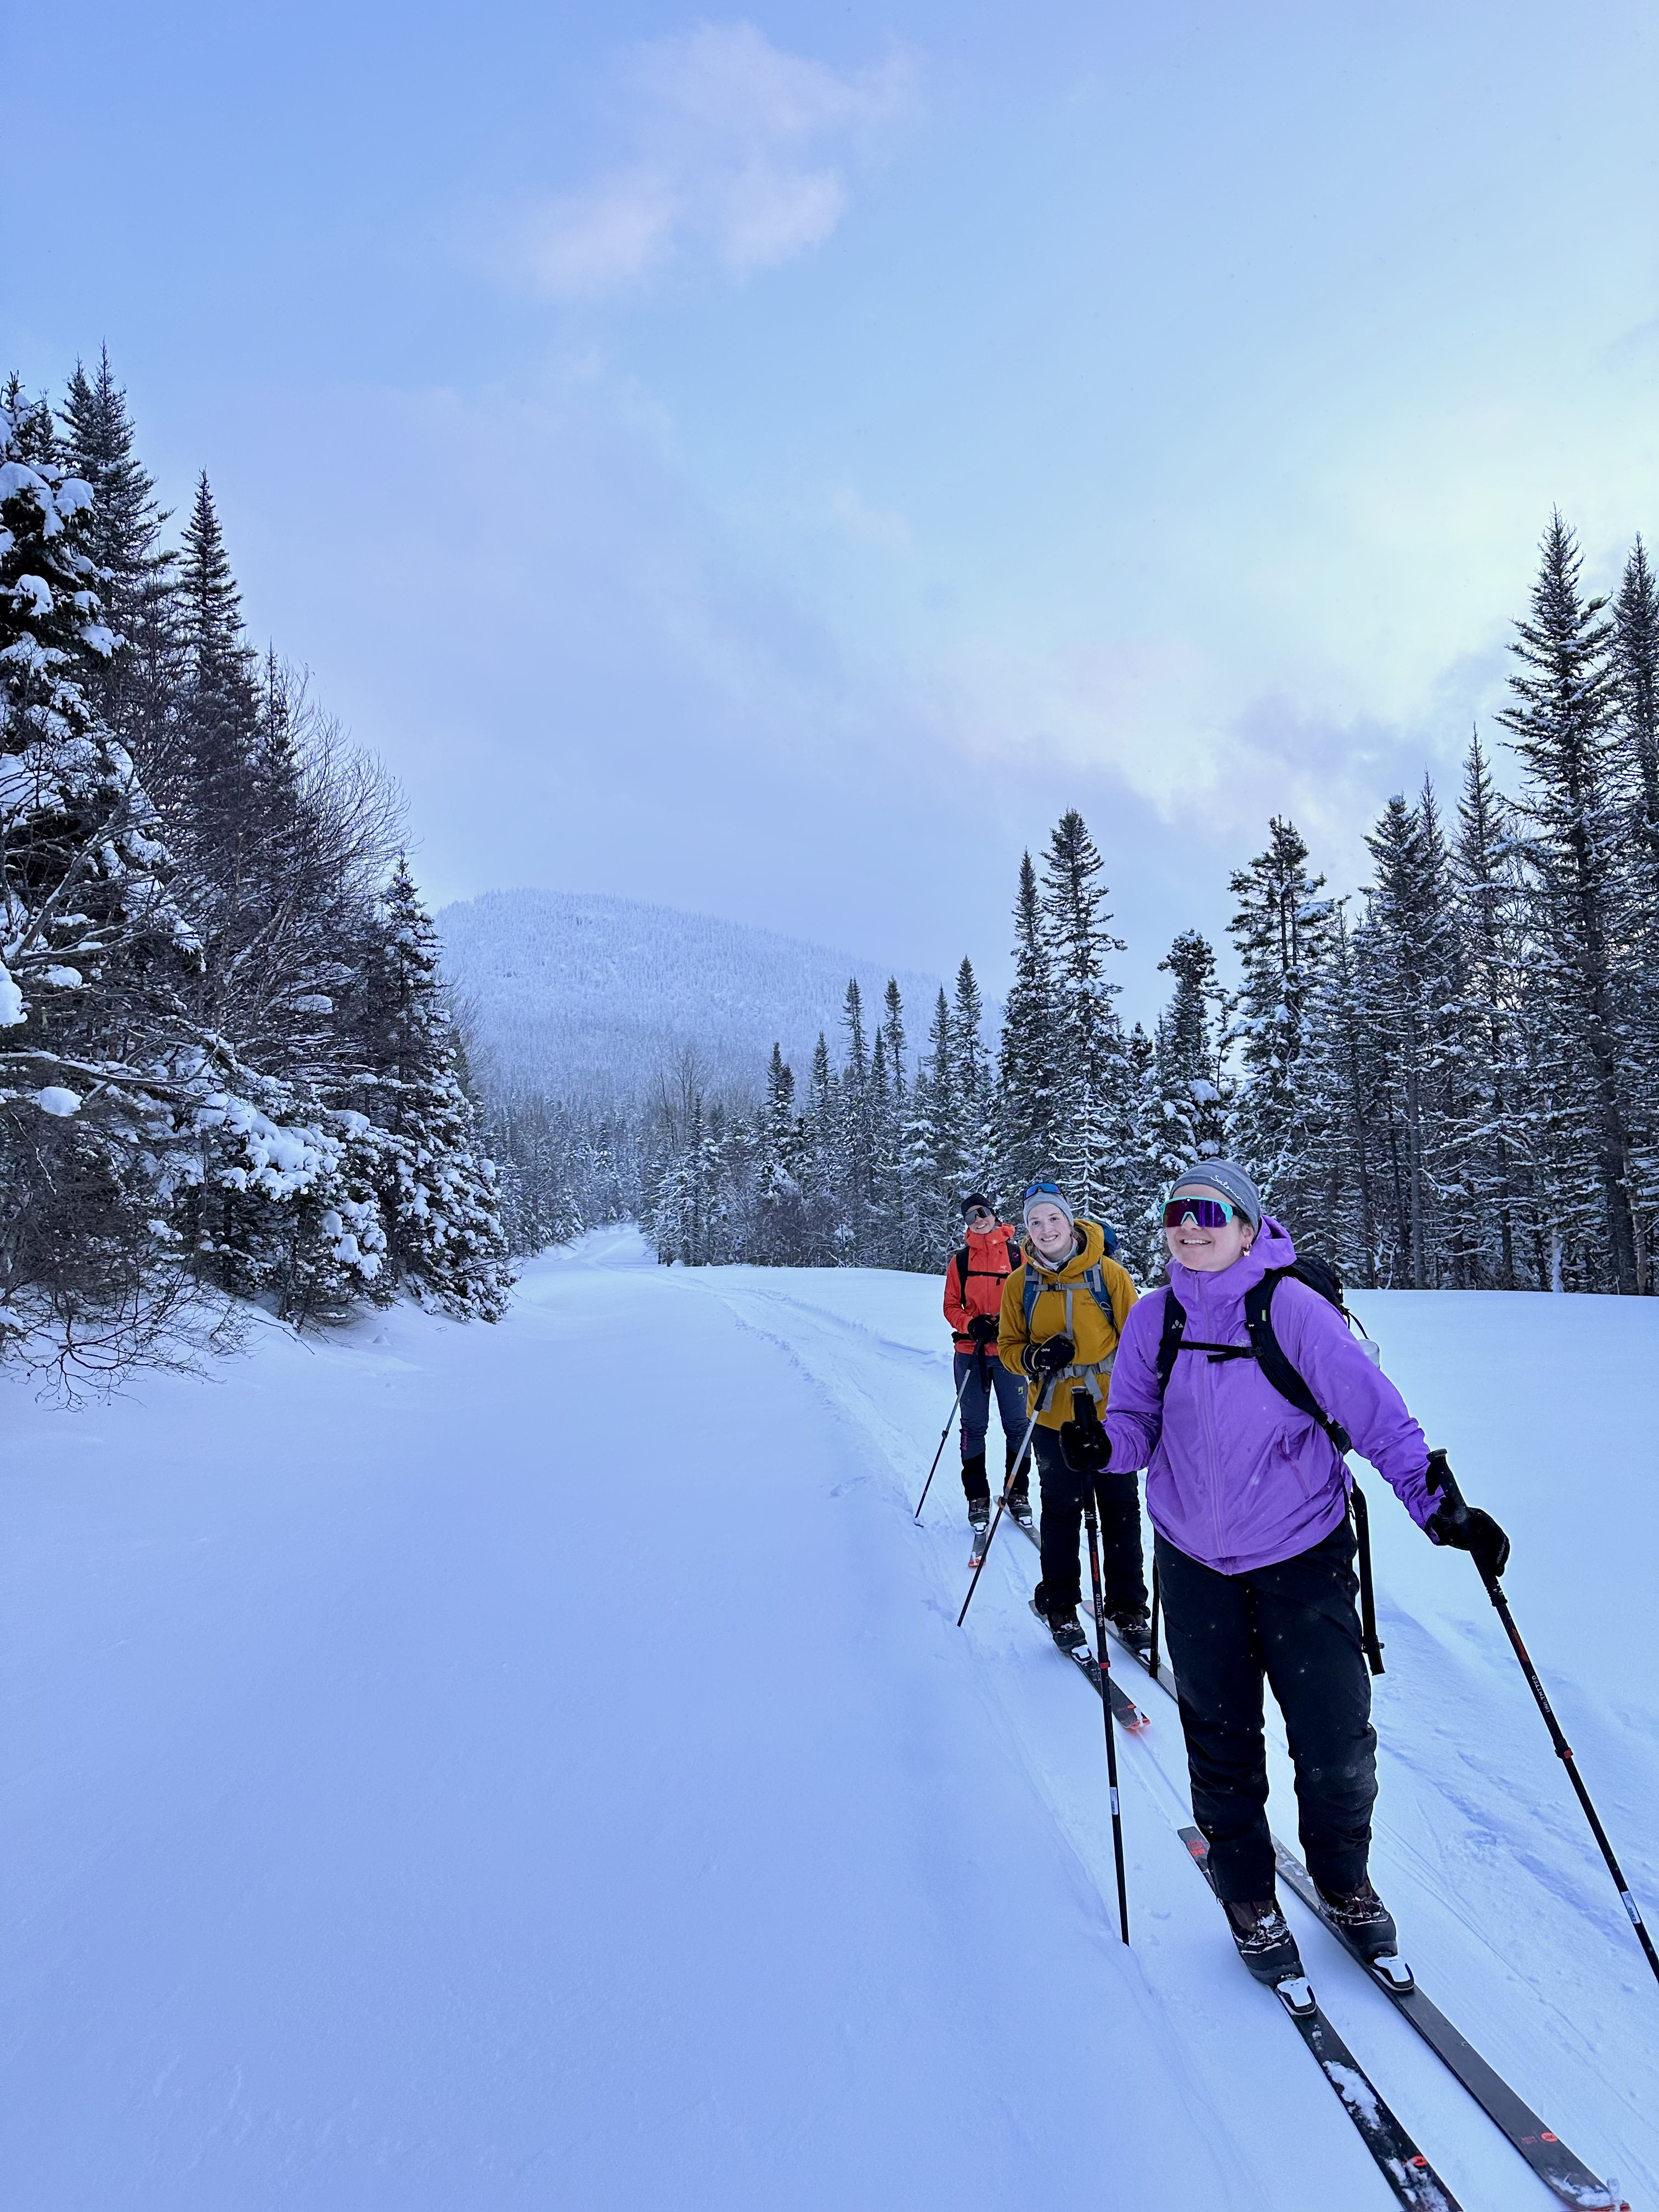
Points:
(1265, 1348)
(963, 1270)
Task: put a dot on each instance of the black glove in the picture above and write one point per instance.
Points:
(983, 1329)
(1084, 1443)
(1466, 1529)
(1049, 1357)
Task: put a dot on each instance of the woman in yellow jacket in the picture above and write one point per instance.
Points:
(1062, 1313)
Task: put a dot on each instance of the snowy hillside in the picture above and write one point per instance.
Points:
(453, 1767)
(590, 997)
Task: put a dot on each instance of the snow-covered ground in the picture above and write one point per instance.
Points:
(460, 1767)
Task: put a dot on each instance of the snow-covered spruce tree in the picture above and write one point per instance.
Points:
(781, 1232)
(1092, 1105)
(857, 1145)
(128, 688)
(1577, 819)
(1342, 1073)
(971, 1082)
(417, 1126)
(1636, 663)
(1488, 1142)
(1193, 1085)
(91, 940)
(1027, 1064)
(895, 1163)
(1636, 670)
(1283, 930)
(939, 1154)
(1408, 954)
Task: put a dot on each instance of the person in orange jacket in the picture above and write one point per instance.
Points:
(973, 1301)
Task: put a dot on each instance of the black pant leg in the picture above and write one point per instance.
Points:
(1061, 1501)
(1210, 1627)
(1309, 1628)
(1122, 1566)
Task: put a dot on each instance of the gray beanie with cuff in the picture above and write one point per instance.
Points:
(1221, 1179)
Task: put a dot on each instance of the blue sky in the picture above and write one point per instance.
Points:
(773, 463)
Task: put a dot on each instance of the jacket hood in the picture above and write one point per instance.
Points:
(1271, 1249)
(1073, 1270)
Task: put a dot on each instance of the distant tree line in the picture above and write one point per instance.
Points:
(227, 1062)
(1450, 1079)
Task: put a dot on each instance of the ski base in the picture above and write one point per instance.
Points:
(1401, 2164)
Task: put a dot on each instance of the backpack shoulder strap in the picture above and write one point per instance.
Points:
(1030, 1292)
(961, 1274)
(1274, 1363)
(1169, 1342)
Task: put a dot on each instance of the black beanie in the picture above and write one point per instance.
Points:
(976, 1198)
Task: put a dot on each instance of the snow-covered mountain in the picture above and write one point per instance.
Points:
(590, 997)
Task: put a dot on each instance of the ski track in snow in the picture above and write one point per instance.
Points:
(463, 1767)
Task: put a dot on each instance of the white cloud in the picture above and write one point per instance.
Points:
(738, 154)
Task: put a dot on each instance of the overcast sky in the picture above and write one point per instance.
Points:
(773, 463)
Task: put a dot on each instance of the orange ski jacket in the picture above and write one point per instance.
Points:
(975, 1277)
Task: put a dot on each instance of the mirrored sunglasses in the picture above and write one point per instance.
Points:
(1041, 1190)
(1206, 1212)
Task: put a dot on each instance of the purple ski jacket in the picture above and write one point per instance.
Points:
(1236, 1476)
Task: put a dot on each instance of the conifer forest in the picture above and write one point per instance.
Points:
(228, 1068)
(1449, 1078)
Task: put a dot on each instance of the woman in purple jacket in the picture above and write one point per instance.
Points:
(1249, 1499)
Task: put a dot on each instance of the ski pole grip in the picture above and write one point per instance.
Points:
(1442, 1479)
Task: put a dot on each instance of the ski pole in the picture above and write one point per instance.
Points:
(1105, 1665)
(1442, 1478)
(1152, 1656)
(943, 1433)
(1007, 1488)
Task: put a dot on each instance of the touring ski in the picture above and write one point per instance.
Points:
(1561, 2172)
(1567, 2177)
(1402, 2166)
(1125, 1710)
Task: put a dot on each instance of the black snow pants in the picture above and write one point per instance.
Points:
(1117, 1501)
(1294, 1623)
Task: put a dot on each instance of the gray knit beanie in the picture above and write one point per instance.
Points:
(1047, 1194)
(1221, 1179)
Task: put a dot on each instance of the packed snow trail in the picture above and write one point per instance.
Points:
(460, 1767)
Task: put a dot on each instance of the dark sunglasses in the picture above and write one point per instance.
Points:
(1207, 1212)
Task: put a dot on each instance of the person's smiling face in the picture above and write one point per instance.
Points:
(1051, 1232)
(1207, 1251)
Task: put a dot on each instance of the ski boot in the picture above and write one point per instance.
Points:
(1134, 1628)
(1366, 1925)
(1264, 1942)
(1059, 1620)
(1018, 1487)
(979, 1513)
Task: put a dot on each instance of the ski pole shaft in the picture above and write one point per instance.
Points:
(943, 1433)
(1441, 1475)
(1042, 1399)
(1152, 1656)
(1105, 1666)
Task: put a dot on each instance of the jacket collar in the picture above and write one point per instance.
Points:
(1091, 1252)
